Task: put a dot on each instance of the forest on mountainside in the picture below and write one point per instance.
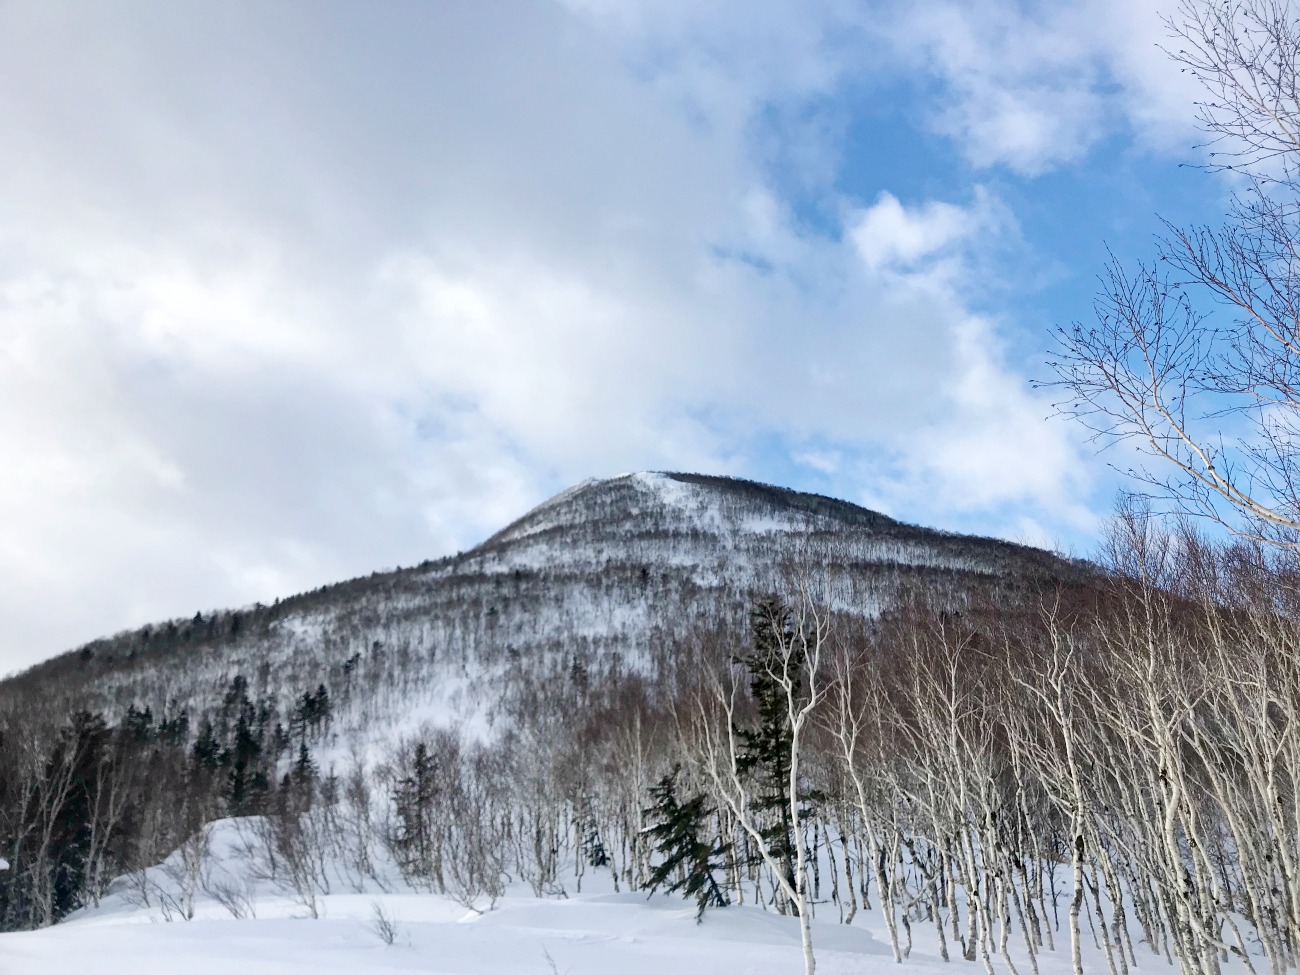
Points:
(1116, 763)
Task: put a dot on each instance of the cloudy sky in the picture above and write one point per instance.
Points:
(293, 291)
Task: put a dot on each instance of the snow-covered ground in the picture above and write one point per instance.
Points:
(598, 932)
(603, 934)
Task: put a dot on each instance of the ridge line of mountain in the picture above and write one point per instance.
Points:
(806, 513)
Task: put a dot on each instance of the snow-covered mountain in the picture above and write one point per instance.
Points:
(968, 750)
(605, 576)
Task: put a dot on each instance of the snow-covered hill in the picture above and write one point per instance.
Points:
(270, 931)
(982, 751)
(606, 576)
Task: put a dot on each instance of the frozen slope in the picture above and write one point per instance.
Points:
(590, 935)
(596, 933)
(604, 576)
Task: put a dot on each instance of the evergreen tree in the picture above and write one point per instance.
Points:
(304, 768)
(413, 797)
(678, 837)
(298, 719)
(247, 783)
(81, 749)
(174, 731)
(236, 697)
(280, 740)
(311, 713)
(593, 847)
(765, 748)
(139, 723)
(298, 786)
(322, 709)
(207, 749)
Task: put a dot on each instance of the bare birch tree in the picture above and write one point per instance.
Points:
(1195, 356)
(796, 671)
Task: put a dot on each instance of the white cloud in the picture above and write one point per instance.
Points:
(993, 446)
(282, 302)
(985, 445)
(933, 236)
(889, 236)
(1034, 86)
(824, 461)
(1031, 86)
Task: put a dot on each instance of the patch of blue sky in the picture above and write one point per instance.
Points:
(1066, 222)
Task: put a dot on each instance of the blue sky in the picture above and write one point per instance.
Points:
(290, 292)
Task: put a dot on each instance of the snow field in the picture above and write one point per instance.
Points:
(598, 932)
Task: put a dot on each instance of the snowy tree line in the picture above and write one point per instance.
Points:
(1114, 763)
(612, 575)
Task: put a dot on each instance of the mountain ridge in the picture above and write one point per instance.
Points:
(608, 573)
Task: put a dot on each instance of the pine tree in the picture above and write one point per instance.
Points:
(175, 731)
(678, 838)
(82, 749)
(413, 798)
(322, 709)
(139, 723)
(593, 847)
(298, 785)
(246, 781)
(765, 748)
(304, 768)
(207, 749)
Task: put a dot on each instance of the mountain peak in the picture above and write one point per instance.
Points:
(610, 572)
(703, 502)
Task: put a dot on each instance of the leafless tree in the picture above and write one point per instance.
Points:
(299, 841)
(359, 833)
(239, 897)
(475, 858)
(186, 873)
(854, 722)
(796, 669)
(1049, 727)
(383, 924)
(1195, 357)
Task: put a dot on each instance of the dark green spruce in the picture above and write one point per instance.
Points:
(688, 859)
(764, 753)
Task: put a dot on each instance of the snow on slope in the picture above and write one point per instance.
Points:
(590, 935)
(607, 573)
(599, 932)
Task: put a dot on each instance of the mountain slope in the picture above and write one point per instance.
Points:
(605, 577)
